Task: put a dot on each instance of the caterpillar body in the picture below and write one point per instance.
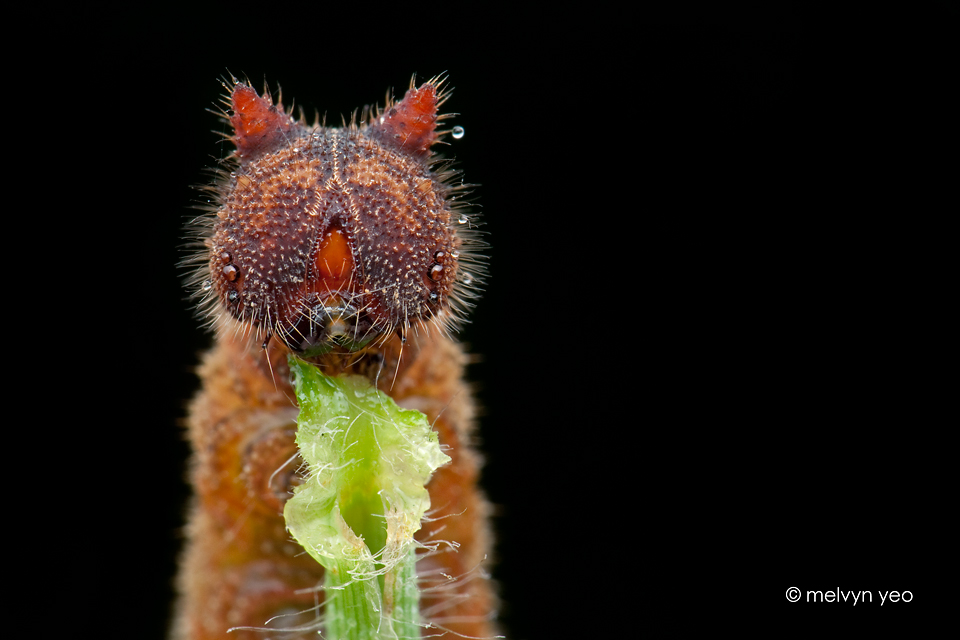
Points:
(348, 247)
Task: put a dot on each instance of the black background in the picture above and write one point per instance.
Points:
(710, 339)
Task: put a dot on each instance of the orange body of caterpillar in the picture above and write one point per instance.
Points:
(342, 246)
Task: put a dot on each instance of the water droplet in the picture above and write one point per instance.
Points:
(207, 285)
(458, 132)
(232, 296)
(455, 254)
(467, 278)
(230, 272)
(435, 272)
(463, 219)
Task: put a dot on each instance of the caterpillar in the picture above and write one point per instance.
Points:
(355, 249)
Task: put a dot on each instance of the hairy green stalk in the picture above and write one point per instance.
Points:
(369, 462)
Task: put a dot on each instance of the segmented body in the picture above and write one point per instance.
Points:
(293, 262)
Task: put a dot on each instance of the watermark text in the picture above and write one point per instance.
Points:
(849, 596)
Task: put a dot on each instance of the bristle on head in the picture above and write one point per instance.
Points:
(410, 125)
(259, 126)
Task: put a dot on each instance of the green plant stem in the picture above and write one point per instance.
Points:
(354, 607)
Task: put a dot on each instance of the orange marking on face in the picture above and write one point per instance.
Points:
(334, 262)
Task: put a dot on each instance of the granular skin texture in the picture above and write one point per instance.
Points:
(318, 232)
(371, 183)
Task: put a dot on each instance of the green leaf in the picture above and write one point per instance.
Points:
(362, 501)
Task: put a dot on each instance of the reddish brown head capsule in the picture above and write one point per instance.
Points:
(329, 238)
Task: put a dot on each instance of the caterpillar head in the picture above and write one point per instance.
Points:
(331, 239)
